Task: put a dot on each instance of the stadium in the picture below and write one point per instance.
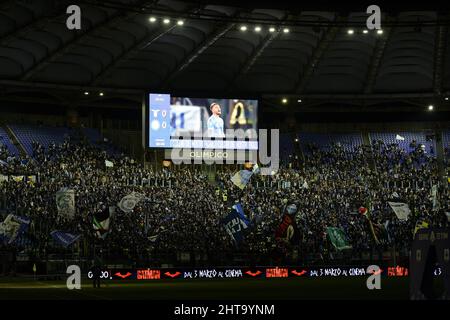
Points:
(219, 150)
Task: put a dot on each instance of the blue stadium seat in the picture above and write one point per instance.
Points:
(27, 134)
(419, 137)
(4, 140)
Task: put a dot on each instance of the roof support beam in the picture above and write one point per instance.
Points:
(323, 44)
(41, 20)
(127, 55)
(117, 16)
(376, 59)
(269, 38)
(132, 52)
(208, 42)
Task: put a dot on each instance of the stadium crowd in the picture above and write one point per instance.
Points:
(182, 209)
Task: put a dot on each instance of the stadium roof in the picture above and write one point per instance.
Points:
(217, 48)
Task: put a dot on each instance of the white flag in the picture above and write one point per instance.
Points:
(399, 137)
(109, 164)
(401, 210)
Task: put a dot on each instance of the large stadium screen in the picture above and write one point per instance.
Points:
(202, 123)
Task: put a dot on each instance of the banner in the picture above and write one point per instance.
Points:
(63, 238)
(130, 201)
(109, 164)
(338, 238)
(13, 227)
(401, 210)
(235, 223)
(65, 202)
(101, 223)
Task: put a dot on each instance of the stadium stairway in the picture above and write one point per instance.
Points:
(366, 142)
(12, 143)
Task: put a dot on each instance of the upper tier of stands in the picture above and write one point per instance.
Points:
(446, 139)
(4, 140)
(349, 141)
(45, 135)
(324, 141)
(409, 137)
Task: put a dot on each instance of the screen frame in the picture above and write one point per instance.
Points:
(146, 108)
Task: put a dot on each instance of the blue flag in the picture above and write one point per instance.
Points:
(235, 223)
(63, 238)
(240, 211)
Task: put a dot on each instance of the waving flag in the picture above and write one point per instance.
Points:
(65, 202)
(420, 224)
(109, 164)
(401, 209)
(240, 211)
(63, 238)
(338, 238)
(101, 223)
(241, 178)
(13, 227)
(235, 223)
(3, 178)
(434, 197)
(130, 201)
(381, 233)
(288, 227)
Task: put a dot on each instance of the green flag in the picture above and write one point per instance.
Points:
(338, 239)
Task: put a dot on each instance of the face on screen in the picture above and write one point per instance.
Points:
(216, 109)
(176, 120)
